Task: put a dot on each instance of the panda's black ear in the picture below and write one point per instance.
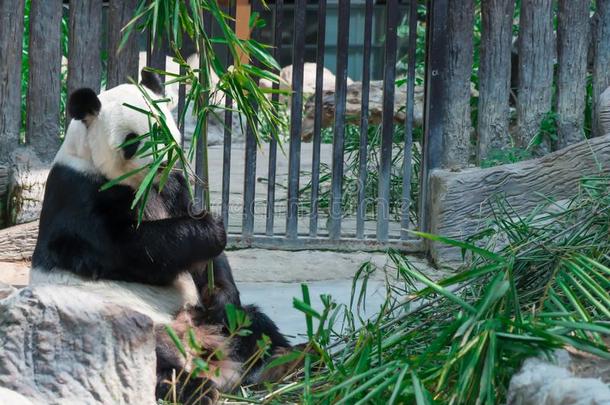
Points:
(153, 82)
(83, 103)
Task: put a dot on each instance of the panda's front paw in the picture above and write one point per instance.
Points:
(216, 234)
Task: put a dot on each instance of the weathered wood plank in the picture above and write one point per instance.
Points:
(456, 117)
(494, 75)
(84, 58)
(121, 65)
(17, 242)
(572, 47)
(460, 199)
(601, 59)
(44, 80)
(11, 31)
(536, 56)
(3, 181)
(4, 185)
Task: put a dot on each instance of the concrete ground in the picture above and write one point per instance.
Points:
(272, 278)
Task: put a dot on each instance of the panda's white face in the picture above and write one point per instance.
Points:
(93, 143)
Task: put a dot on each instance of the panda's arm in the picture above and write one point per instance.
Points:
(175, 195)
(157, 251)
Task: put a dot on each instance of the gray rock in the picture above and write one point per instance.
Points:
(543, 383)
(353, 107)
(9, 397)
(6, 290)
(61, 345)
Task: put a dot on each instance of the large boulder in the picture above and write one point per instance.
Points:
(309, 79)
(61, 345)
(540, 382)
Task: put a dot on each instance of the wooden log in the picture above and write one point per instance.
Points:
(17, 242)
(460, 199)
(494, 76)
(601, 59)
(572, 47)
(11, 31)
(85, 52)
(457, 124)
(44, 82)
(536, 57)
(124, 64)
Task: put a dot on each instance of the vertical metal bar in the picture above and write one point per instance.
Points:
(156, 50)
(250, 165)
(181, 104)
(339, 129)
(278, 20)
(436, 65)
(296, 112)
(202, 186)
(364, 118)
(317, 124)
(408, 143)
(387, 120)
(226, 146)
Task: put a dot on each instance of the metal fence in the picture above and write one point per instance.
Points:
(91, 33)
(314, 229)
(577, 47)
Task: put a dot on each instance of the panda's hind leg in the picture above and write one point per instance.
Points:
(176, 378)
(224, 292)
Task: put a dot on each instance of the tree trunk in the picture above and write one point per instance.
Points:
(572, 46)
(457, 123)
(124, 65)
(84, 59)
(44, 84)
(536, 55)
(494, 75)
(601, 60)
(11, 30)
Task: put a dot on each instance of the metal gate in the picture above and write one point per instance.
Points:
(305, 207)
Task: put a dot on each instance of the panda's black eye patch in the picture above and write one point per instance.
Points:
(130, 146)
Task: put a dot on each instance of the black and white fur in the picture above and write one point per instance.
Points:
(90, 238)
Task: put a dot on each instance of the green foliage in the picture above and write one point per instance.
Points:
(530, 284)
(498, 157)
(351, 183)
(174, 20)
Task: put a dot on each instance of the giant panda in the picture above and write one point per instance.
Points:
(89, 237)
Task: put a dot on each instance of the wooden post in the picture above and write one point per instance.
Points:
(84, 57)
(11, 30)
(536, 56)
(601, 61)
(572, 46)
(44, 83)
(494, 76)
(456, 118)
(242, 26)
(124, 65)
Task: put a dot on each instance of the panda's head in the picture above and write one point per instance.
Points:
(102, 124)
